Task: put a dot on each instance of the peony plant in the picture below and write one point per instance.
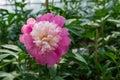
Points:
(45, 38)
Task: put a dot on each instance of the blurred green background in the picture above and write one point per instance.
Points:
(94, 27)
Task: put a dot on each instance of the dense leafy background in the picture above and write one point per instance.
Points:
(94, 53)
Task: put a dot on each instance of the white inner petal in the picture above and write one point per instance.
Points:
(46, 35)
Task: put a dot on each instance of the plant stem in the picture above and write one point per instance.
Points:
(96, 45)
(102, 33)
(47, 3)
(39, 73)
(96, 54)
(52, 2)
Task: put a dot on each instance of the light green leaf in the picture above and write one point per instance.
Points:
(52, 71)
(80, 58)
(114, 20)
(75, 32)
(58, 78)
(112, 56)
(12, 47)
(2, 56)
(6, 76)
(9, 52)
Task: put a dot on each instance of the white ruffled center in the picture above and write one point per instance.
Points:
(46, 35)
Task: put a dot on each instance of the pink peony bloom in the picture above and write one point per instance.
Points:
(45, 38)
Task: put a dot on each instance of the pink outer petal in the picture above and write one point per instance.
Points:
(26, 29)
(63, 43)
(34, 51)
(21, 38)
(46, 17)
(30, 46)
(27, 40)
(48, 58)
(31, 21)
(52, 58)
(59, 20)
(64, 37)
(41, 59)
(61, 50)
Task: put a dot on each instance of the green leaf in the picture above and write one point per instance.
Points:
(90, 35)
(75, 32)
(12, 47)
(70, 54)
(114, 20)
(58, 78)
(8, 76)
(11, 17)
(9, 52)
(2, 56)
(3, 74)
(90, 23)
(80, 58)
(52, 71)
(98, 65)
(112, 56)
(4, 64)
(72, 39)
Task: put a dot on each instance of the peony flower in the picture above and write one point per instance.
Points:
(45, 38)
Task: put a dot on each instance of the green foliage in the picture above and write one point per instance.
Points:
(94, 53)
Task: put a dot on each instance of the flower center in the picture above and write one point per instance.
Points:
(46, 35)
